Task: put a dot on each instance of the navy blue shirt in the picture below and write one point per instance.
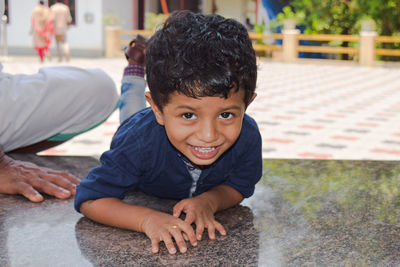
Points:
(141, 157)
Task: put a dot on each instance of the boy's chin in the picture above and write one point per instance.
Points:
(202, 162)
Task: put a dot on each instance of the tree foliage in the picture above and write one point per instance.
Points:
(344, 16)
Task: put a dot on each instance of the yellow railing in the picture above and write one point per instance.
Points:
(328, 38)
(387, 52)
(266, 43)
(265, 47)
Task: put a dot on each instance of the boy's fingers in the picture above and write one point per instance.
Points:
(188, 234)
(154, 245)
(199, 230)
(177, 234)
(220, 228)
(177, 209)
(190, 217)
(168, 242)
(185, 237)
(211, 231)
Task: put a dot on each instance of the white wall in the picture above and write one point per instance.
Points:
(86, 35)
(235, 9)
(20, 22)
(121, 8)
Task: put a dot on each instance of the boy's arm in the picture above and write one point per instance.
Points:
(201, 209)
(158, 226)
(222, 197)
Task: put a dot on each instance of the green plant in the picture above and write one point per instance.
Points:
(153, 20)
(111, 20)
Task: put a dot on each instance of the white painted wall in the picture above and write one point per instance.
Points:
(235, 9)
(20, 22)
(121, 8)
(86, 35)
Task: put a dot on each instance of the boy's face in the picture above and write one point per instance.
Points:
(203, 128)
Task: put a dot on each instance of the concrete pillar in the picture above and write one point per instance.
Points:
(289, 45)
(112, 41)
(367, 48)
(3, 38)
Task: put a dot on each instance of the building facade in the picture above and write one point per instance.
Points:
(90, 17)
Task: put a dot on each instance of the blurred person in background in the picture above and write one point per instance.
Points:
(62, 20)
(43, 30)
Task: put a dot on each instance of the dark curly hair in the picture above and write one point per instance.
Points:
(200, 55)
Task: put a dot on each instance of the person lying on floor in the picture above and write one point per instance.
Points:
(195, 143)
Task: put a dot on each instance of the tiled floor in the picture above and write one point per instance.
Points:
(304, 110)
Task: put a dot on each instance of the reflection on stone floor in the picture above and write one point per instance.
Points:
(303, 213)
(329, 213)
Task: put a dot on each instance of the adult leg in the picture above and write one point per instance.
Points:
(59, 41)
(35, 148)
(57, 100)
(66, 51)
(40, 51)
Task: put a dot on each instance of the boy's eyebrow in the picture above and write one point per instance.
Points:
(224, 108)
(185, 107)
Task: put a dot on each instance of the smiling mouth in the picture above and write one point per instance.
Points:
(204, 152)
(204, 149)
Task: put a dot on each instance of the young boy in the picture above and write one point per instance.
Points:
(195, 143)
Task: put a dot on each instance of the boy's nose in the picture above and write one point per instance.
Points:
(207, 132)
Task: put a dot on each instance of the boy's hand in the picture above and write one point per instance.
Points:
(135, 53)
(200, 211)
(159, 226)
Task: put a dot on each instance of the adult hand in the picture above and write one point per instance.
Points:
(28, 179)
(160, 226)
(199, 210)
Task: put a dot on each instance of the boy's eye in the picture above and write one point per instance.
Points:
(226, 115)
(188, 116)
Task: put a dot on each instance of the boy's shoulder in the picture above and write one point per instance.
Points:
(249, 138)
(141, 128)
(249, 126)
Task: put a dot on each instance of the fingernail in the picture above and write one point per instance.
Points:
(183, 250)
(37, 198)
(154, 250)
(195, 244)
(173, 250)
(65, 191)
(199, 237)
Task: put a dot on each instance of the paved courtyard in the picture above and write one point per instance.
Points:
(304, 110)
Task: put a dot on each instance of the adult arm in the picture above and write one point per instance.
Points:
(28, 179)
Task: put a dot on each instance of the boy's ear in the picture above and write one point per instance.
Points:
(252, 98)
(154, 107)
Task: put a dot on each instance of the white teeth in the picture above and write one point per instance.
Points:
(204, 149)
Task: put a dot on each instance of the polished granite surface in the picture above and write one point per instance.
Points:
(303, 213)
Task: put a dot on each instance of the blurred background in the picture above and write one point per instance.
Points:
(329, 72)
(337, 17)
